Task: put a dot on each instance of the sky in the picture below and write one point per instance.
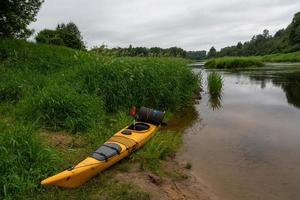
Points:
(189, 24)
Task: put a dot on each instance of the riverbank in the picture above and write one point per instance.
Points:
(251, 61)
(57, 105)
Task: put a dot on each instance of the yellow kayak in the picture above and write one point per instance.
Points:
(113, 150)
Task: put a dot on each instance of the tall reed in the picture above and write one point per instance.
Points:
(214, 84)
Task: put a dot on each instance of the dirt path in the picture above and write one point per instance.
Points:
(179, 184)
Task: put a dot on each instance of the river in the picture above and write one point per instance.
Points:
(247, 146)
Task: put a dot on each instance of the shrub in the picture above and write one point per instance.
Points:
(233, 63)
(60, 107)
(65, 34)
(25, 160)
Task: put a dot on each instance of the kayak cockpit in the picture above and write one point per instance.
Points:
(106, 151)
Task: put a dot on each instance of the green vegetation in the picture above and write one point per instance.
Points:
(233, 63)
(253, 61)
(287, 57)
(16, 15)
(65, 34)
(283, 41)
(61, 89)
(215, 88)
(61, 108)
(196, 55)
(140, 51)
(161, 146)
(188, 165)
(214, 84)
(25, 160)
(212, 52)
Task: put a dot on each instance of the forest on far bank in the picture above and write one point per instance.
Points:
(285, 40)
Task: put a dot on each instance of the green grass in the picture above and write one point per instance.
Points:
(60, 89)
(233, 63)
(161, 146)
(25, 160)
(252, 61)
(60, 108)
(287, 57)
(214, 84)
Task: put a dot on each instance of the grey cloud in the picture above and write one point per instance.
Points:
(190, 24)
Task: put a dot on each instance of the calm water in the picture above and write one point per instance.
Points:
(247, 145)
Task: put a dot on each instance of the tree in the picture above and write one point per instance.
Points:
(71, 35)
(212, 52)
(239, 45)
(294, 37)
(266, 33)
(16, 15)
(196, 55)
(65, 34)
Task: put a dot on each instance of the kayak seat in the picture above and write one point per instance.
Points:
(106, 151)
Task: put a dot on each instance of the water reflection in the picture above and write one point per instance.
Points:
(288, 80)
(215, 101)
(183, 119)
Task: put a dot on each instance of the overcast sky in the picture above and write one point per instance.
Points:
(190, 24)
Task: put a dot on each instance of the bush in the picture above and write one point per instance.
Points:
(233, 63)
(47, 36)
(65, 34)
(25, 160)
(60, 107)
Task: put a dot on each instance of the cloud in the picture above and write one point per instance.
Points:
(190, 24)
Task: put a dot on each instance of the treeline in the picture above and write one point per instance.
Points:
(283, 41)
(149, 52)
(69, 35)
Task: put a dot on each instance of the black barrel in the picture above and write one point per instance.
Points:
(150, 115)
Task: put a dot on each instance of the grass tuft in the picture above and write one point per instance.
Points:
(188, 165)
(214, 84)
(161, 146)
